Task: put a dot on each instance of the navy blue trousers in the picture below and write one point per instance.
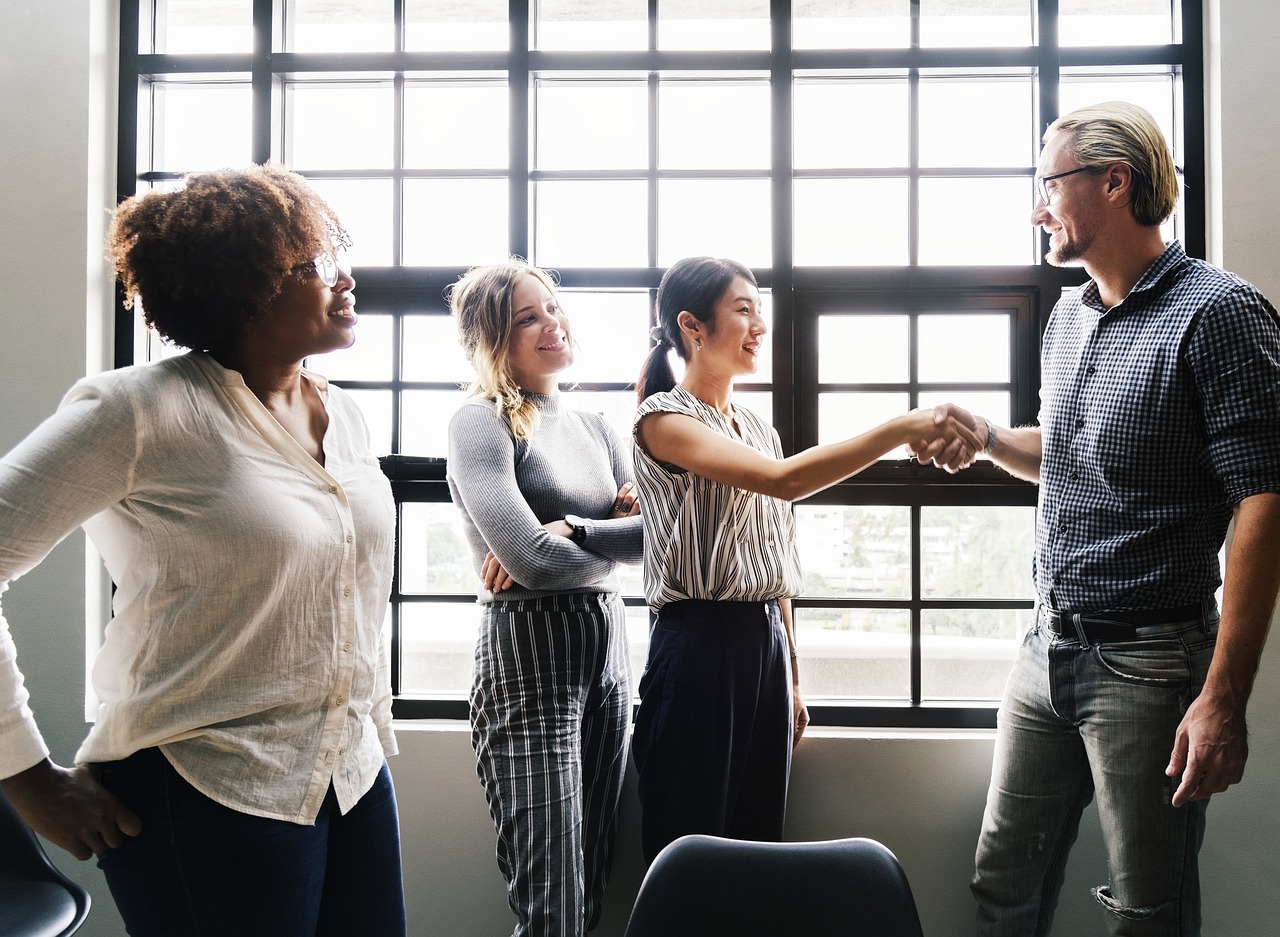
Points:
(199, 868)
(713, 734)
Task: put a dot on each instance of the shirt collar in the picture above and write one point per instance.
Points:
(1172, 258)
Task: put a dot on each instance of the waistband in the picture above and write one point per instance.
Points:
(560, 601)
(1127, 625)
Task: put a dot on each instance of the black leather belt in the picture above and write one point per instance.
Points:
(1116, 626)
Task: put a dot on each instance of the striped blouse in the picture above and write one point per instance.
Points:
(707, 540)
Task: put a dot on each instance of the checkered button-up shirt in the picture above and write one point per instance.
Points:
(1158, 416)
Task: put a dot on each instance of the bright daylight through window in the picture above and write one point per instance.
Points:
(871, 160)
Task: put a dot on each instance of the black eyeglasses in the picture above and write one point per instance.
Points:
(1045, 195)
(326, 267)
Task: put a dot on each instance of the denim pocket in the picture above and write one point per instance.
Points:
(1160, 662)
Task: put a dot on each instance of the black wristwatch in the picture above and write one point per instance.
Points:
(577, 528)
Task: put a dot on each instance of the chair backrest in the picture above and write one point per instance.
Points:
(706, 886)
(36, 900)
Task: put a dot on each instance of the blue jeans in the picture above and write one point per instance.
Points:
(1081, 718)
(550, 704)
(199, 868)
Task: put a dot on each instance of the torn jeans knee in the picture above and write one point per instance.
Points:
(1105, 898)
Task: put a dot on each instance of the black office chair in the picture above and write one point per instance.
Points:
(36, 900)
(705, 886)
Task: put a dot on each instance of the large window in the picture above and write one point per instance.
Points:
(871, 160)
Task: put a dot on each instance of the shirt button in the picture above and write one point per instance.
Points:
(340, 701)
(350, 537)
(347, 591)
(1062, 526)
(1080, 423)
(333, 489)
(346, 645)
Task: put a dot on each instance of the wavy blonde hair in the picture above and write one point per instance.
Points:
(481, 305)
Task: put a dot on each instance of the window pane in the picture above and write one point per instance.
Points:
(758, 402)
(965, 654)
(364, 208)
(339, 126)
(571, 24)
(1115, 22)
(339, 26)
(967, 23)
(873, 115)
(850, 24)
(697, 24)
(184, 26)
(570, 217)
(851, 222)
(995, 213)
(376, 407)
(863, 349)
(964, 348)
(424, 421)
(478, 25)
(841, 416)
(854, 551)
(723, 218)
(454, 221)
(437, 646)
(618, 408)
(1155, 92)
(976, 552)
(434, 556)
(612, 332)
(694, 134)
(455, 125)
(204, 125)
(619, 135)
(973, 553)
(947, 135)
(368, 359)
(432, 351)
(854, 652)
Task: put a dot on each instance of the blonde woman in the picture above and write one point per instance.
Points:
(546, 498)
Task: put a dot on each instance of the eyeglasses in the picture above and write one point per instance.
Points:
(1045, 195)
(326, 267)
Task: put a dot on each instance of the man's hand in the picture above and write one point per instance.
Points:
(1209, 749)
(70, 808)
(948, 452)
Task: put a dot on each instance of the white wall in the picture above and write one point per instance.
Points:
(921, 794)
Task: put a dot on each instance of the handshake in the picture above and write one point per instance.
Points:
(952, 437)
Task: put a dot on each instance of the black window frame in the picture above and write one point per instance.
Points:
(796, 294)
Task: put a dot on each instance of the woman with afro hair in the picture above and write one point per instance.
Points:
(235, 777)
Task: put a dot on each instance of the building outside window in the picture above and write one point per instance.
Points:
(871, 160)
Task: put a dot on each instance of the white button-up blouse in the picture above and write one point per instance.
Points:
(251, 584)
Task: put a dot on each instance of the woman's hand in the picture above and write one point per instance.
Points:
(68, 806)
(494, 575)
(801, 715)
(626, 503)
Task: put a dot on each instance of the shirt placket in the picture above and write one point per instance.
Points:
(335, 735)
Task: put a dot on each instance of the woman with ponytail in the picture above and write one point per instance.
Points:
(546, 498)
(720, 701)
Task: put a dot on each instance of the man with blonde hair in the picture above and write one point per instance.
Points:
(1159, 424)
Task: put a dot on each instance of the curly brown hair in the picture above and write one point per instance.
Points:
(204, 259)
